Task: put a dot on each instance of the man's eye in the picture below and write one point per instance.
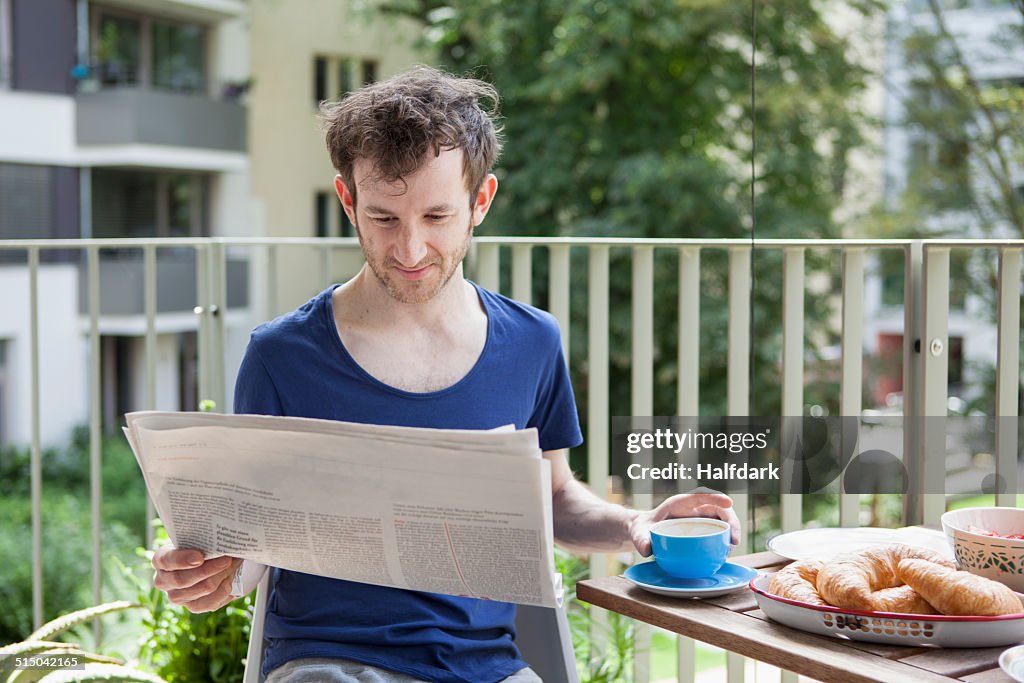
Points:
(437, 218)
(383, 220)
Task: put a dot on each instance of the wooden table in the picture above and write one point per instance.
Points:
(735, 623)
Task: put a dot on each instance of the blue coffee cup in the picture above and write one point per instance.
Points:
(690, 547)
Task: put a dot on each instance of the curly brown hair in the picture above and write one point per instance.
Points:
(396, 123)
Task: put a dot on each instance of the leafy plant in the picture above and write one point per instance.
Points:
(40, 645)
(595, 665)
(183, 647)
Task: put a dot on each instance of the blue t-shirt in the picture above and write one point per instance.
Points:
(297, 365)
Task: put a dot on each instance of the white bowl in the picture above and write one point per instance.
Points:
(994, 557)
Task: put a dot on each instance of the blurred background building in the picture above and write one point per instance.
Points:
(164, 119)
(192, 118)
(947, 170)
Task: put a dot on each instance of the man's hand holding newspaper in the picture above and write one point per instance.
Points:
(190, 580)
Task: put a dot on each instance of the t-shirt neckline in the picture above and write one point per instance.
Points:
(348, 358)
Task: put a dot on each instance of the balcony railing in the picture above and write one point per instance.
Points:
(141, 116)
(509, 264)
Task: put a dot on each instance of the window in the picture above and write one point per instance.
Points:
(344, 222)
(148, 204)
(344, 77)
(178, 57)
(323, 216)
(117, 51)
(319, 80)
(347, 72)
(323, 229)
(134, 49)
(26, 209)
(369, 72)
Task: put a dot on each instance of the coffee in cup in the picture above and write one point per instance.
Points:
(690, 547)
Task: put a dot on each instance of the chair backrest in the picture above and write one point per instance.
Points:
(542, 635)
(254, 657)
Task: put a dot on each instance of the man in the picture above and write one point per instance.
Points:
(409, 341)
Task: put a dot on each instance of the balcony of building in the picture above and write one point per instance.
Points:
(151, 77)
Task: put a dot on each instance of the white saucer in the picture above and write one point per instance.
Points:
(1012, 662)
(824, 544)
(652, 578)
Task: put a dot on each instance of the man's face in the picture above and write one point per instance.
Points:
(415, 234)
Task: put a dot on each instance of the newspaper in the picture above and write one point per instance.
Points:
(459, 512)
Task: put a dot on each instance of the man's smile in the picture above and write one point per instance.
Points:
(414, 273)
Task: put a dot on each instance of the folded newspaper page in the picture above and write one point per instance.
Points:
(460, 512)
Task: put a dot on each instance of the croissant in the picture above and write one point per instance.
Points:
(957, 592)
(902, 600)
(796, 581)
(853, 580)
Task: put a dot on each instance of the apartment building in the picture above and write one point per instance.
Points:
(120, 118)
(158, 119)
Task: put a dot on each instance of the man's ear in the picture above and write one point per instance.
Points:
(484, 196)
(348, 200)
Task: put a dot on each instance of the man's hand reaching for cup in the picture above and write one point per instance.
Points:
(189, 580)
(717, 505)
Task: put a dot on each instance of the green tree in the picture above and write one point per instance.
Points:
(634, 118)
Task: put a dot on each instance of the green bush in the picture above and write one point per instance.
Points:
(66, 557)
(67, 471)
(66, 525)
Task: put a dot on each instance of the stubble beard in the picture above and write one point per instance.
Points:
(415, 291)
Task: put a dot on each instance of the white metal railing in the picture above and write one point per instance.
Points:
(926, 317)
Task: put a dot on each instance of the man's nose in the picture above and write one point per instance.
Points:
(411, 247)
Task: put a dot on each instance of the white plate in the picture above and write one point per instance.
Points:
(824, 544)
(1012, 662)
(890, 629)
(649, 576)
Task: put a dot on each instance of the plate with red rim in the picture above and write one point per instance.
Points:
(825, 543)
(887, 627)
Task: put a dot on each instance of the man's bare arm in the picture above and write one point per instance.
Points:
(585, 523)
